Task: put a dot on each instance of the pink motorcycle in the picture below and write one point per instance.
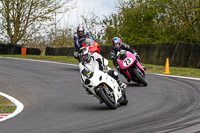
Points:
(131, 67)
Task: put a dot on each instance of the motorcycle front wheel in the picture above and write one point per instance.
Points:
(107, 99)
(139, 77)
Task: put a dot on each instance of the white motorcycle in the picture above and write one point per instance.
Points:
(104, 87)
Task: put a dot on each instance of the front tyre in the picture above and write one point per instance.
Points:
(106, 99)
(139, 77)
(125, 101)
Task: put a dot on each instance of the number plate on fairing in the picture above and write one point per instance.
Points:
(127, 61)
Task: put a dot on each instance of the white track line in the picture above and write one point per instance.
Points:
(176, 76)
(19, 105)
(34, 60)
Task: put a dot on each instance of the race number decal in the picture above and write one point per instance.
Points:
(127, 61)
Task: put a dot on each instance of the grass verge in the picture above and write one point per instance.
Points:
(6, 106)
(179, 71)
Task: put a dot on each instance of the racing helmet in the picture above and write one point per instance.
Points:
(116, 43)
(85, 54)
(80, 30)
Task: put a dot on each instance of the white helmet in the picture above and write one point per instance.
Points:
(80, 30)
(85, 54)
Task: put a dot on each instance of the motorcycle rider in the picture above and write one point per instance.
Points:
(117, 45)
(80, 38)
(91, 61)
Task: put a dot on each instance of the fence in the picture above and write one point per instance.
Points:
(179, 54)
(18, 49)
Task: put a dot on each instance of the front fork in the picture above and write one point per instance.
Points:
(105, 88)
(128, 74)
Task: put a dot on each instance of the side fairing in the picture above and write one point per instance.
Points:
(128, 61)
(100, 77)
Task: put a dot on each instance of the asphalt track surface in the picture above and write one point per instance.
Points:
(54, 102)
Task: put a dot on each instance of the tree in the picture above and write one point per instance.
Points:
(21, 18)
(92, 24)
(155, 21)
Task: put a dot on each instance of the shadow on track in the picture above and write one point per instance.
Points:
(135, 84)
(86, 107)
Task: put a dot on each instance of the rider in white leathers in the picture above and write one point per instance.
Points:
(91, 61)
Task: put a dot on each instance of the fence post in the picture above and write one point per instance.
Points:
(23, 50)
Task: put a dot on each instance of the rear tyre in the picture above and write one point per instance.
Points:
(106, 99)
(139, 77)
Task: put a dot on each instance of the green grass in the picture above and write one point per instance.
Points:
(7, 109)
(6, 106)
(4, 101)
(180, 71)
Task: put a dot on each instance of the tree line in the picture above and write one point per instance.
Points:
(33, 22)
(154, 21)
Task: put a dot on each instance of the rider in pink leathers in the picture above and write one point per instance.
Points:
(117, 45)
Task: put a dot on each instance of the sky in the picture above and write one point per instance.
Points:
(87, 7)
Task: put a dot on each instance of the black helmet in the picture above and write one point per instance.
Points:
(80, 30)
(85, 54)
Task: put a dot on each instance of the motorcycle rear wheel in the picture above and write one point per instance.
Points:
(139, 77)
(105, 98)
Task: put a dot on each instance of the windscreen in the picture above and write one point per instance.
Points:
(89, 41)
